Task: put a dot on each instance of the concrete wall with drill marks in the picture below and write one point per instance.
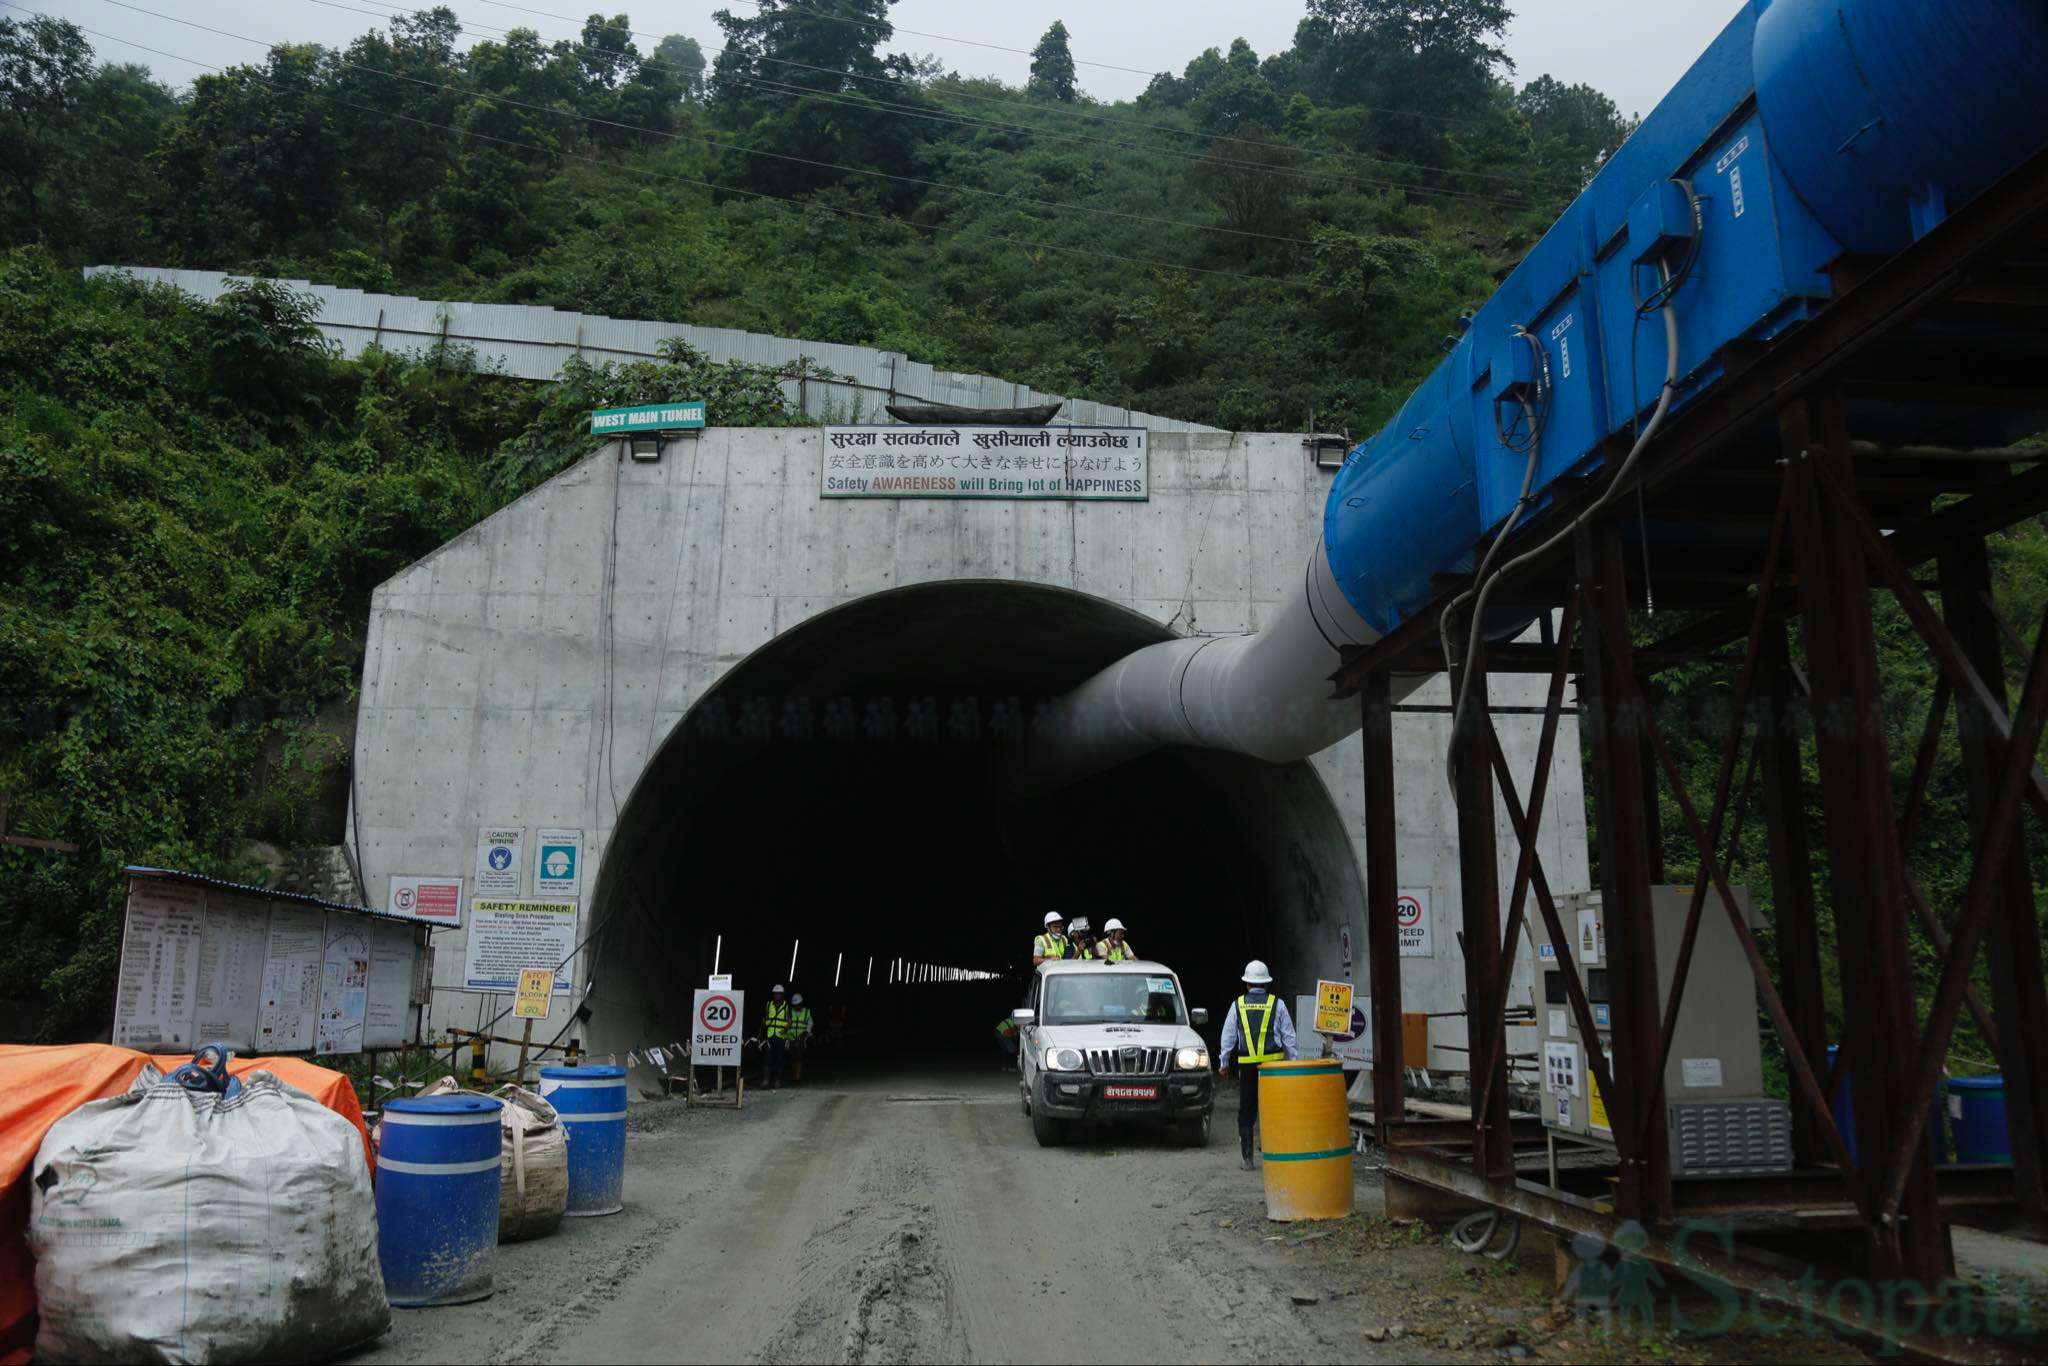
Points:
(487, 683)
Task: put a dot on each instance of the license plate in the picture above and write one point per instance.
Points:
(1130, 1093)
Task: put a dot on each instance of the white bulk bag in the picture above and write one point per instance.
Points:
(171, 1225)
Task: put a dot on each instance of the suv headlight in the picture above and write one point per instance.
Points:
(1062, 1059)
(1192, 1059)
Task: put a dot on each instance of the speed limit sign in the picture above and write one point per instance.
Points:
(715, 1028)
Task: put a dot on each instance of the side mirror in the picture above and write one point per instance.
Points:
(1200, 1015)
(1023, 1015)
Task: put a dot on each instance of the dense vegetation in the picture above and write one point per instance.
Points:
(196, 501)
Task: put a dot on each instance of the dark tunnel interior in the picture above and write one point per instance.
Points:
(835, 798)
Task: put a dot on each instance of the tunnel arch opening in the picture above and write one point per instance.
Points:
(835, 798)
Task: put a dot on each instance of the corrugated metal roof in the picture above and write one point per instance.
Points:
(268, 893)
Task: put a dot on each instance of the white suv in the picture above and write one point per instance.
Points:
(1113, 1043)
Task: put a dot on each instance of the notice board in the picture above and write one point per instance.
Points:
(201, 963)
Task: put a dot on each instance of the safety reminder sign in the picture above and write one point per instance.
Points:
(715, 1027)
(507, 937)
(1411, 918)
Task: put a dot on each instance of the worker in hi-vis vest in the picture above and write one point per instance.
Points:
(779, 1029)
(1113, 947)
(1257, 1030)
(799, 1037)
(1051, 946)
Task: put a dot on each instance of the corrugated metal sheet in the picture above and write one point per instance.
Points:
(532, 343)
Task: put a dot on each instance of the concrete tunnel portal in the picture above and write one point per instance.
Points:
(838, 792)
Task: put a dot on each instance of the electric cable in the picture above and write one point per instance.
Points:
(808, 205)
(1036, 107)
(945, 186)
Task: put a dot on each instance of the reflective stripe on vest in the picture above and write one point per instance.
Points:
(1257, 1047)
(780, 1024)
(1113, 953)
(1050, 946)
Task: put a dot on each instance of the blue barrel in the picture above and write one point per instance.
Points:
(1979, 1111)
(1844, 1110)
(438, 1165)
(592, 1104)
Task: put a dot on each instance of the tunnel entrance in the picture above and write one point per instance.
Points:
(834, 799)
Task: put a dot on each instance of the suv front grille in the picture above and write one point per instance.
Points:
(1129, 1062)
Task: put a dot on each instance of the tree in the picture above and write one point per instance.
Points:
(44, 64)
(684, 58)
(607, 52)
(390, 161)
(1422, 65)
(1572, 128)
(1052, 65)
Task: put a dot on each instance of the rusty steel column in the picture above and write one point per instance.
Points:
(1879, 1000)
(1792, 904)
(2019, 993)
(1382, 897)
(1493, 1150)
(1622, 806)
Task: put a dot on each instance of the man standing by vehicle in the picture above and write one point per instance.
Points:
(1257, 1030)
(779, 1027)
(799, 1037)
(1113, 947)
(1051, 946)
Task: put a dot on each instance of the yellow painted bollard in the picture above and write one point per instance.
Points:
(1305, 1137)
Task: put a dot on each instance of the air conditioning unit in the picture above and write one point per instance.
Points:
(1719, 1120)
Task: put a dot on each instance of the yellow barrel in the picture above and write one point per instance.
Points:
(1305, 1135)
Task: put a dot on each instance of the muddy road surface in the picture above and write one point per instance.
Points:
(913, 1218)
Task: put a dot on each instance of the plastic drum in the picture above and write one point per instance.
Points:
(592, 1104)
(1978, 1107)
(1305, 1134)
(437, 1198)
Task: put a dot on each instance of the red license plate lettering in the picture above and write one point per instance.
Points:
(1130, 1093)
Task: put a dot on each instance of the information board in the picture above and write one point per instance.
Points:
(158, 983)
(387, 1017)
(508, 936)
(1082, 464)
(232, 951)
(291, 979)
(716, 1023)
(220, 964)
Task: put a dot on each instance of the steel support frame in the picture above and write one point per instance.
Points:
(1382, 897)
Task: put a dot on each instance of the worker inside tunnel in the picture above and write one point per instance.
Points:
(833, 816)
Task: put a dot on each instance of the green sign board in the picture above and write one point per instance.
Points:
(650, 417)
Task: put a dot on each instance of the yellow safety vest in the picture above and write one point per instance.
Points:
(1114, 953)
(781, 1024)
(803, 1022)
(1049, 946)
(1257, 1047)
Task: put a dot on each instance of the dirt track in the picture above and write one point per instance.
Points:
(913, 1218)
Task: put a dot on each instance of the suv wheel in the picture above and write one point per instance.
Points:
(1194, 1133)
(1049, 1132)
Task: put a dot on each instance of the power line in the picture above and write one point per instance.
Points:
(593, 119)
(1541, 181)
(808, 205)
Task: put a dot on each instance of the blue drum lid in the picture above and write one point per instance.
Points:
(444, 1105)
(1994, 1082)
(583, 1073)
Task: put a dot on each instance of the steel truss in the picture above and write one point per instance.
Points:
(1835, 463)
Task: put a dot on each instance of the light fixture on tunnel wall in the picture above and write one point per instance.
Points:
(1327, 449)
(644, 448)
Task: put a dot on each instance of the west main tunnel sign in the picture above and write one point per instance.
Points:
(1097, 464)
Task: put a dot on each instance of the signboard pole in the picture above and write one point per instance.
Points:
(525, 1042)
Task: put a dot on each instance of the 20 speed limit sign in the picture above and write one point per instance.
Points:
(715, 1028)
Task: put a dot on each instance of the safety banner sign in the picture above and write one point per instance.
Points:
(1085, 464)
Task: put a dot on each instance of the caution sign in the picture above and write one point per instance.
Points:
(1333, 1007)
(1596, 1106)
(1411, 921)
(715, 1028)
(536, 990)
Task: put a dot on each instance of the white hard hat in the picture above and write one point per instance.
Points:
(1054, 917)
(1112, 925)
(1255, 974)
(778, 987)
(797, 999)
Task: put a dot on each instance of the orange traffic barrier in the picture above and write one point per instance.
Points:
(1305, 1134)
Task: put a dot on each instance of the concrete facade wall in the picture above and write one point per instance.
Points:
(490, 698)
(532, 342)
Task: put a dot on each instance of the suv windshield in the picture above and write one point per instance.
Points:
(1077, 998)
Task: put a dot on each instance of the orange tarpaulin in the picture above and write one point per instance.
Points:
(38, 1087)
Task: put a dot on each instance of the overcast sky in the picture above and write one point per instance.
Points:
(1631, 49)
